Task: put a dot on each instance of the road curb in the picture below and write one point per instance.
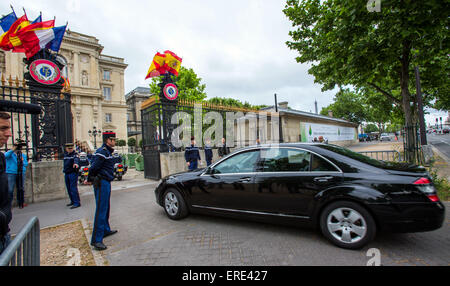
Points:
(440, 154)
(98, 258)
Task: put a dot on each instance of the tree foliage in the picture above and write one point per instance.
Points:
(233, 102)
(348, 105)
(376, 51)
(188, 83)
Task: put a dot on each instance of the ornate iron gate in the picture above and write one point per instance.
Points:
(50, 129)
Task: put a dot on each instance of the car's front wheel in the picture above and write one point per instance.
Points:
(347, 224)
(174, 204)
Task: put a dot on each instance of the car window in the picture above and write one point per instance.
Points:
(241, 163)
(321, 165)
(285, 160)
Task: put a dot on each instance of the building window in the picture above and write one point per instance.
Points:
(108, 117)
(107, 75)
(107, 93)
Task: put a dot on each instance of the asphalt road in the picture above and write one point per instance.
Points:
(441, 142)
(147, 237)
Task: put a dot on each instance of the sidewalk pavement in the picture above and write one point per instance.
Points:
(56, 212)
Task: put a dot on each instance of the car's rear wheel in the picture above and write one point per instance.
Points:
(347, 224)
(174, 204)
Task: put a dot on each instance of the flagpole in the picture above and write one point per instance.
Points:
(12, 8)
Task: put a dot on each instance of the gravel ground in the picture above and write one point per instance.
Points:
(65, 245)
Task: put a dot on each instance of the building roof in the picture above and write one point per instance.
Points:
(308, 114)
(140, 90)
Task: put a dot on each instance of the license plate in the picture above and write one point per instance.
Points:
(86, 174)
(120, 170)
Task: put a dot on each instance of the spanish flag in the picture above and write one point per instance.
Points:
(173, 62)
(163, 63)
(9, 40)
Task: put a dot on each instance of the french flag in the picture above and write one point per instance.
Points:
(34, 41)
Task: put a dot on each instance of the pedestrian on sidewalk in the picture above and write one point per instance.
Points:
(208, 152)
(16, 168)
(192, 155)
(224, 150)
(101, 173)
(5, 203)
(71, 165)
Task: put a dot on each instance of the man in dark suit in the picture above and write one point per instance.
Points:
(224, 150)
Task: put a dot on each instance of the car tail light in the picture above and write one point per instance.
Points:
(425, 186)
(422, 181)
(433, 198)
(86, 169)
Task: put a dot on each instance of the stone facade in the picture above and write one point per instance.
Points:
(97, 85)
(134, 101)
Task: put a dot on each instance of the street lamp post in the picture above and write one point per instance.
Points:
(95, 132)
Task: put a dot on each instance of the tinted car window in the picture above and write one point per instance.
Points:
(285, 160)
(321, 165)
(240, 163)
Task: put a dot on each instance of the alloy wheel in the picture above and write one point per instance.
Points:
(346, 225)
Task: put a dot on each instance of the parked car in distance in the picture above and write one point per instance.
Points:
(363, 137)
(349, 197)
(446, 130)
(385, 137)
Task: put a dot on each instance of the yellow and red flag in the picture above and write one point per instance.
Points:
(163, 63)
(9, 40)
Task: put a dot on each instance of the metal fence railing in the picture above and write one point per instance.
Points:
(24, 249)
(389, 155)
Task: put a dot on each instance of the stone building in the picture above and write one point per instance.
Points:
(134, 101)
(301, 126)
(96, 81)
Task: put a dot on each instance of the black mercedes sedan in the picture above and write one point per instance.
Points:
(346, 195)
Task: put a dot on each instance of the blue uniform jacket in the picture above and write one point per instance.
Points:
(208, 153)
(103, 163)
(69, 160)
(192, 154)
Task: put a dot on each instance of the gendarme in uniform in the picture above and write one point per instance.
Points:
(101, 173)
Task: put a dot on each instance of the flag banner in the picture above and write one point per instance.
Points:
(163, 63)
(7, 21)
(17, 42)
(8, 40)
(173, 62)
(35, 40)
(37, 20)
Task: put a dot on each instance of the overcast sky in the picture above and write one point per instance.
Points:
(237, 47)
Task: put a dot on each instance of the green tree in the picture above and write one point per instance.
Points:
(233, 102)
(121, 143)
(348, 45)
(348, 105)
(370, 127)
(131, 142)
(188, 83)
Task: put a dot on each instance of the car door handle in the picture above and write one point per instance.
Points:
(245, 180)
(323, 179)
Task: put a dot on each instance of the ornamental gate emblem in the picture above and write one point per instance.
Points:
(45, 72)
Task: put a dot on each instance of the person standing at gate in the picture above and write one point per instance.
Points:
(16, 167)
(224, 150)
(208, 152)
(5, 204)
(192, 155)
(100, 175)
(71, 165)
